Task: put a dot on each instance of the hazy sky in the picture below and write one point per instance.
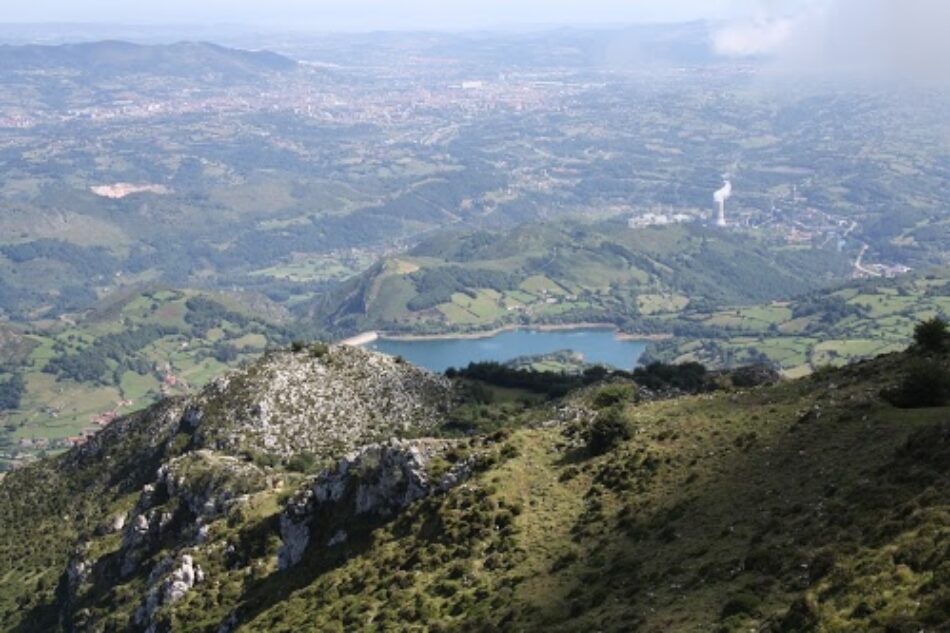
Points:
(374, 14)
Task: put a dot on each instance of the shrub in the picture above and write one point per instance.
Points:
(926, 384)
(302, 462)
(319, 350)
(931, 335)
(742, 603)
(264, 460)
(801, 616)
(612, 395)
(297, 346)
(607, 430)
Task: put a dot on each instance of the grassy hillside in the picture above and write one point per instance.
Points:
(710, 518)
(809, 505)
(570, 272)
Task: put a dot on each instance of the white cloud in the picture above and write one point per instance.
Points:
(904, 39)
(758, 37)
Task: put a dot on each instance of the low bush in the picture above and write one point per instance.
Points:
(742, 603)
(613, 395)
(607, 430)
(302, 462)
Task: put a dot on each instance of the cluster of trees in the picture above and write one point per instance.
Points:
(553, 385)
(689, 377)
(85, 261)
(926, 382)
(92, 363)
(204, 314)
(437, 285)
(11, 392)
(932, 335)
(831, 308)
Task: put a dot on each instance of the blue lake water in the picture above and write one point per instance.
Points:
(596, 345)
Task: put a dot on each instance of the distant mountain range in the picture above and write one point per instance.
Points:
(115, 57)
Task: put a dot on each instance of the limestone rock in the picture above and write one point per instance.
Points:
(378, 480)
(292, 403)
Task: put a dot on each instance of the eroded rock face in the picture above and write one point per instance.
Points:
(167, 584)
(378, 480)
(290, 403)
(209, 483)
(188, 491)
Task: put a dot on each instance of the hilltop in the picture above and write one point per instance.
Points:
(154, 483)
(329, 489)
(182, 59)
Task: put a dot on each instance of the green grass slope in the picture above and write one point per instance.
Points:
(811, 505)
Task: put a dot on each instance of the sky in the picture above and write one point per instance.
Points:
(891, 38)
(359, 15)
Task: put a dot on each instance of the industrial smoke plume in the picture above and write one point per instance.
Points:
(721, 196)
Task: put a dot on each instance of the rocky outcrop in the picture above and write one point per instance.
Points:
(752, 376)
(77, 572)
(208, 483)
(289, 403)
(196, 461)
(148, 430)
(189, 491)
(167, 584)
(376, 481)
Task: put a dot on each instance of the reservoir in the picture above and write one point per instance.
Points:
(597, 345)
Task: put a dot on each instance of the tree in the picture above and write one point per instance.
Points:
(926, 384)
(11, 391)
(931, 335)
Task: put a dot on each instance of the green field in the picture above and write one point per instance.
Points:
(861, 320)
(184, 356)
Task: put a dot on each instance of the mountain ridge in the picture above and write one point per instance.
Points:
(121, 57)
(781, 507)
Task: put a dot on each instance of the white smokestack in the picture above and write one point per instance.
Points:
(721, 196)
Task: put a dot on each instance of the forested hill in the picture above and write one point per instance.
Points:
(571, 272)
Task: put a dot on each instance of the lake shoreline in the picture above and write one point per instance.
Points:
(365, 338)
